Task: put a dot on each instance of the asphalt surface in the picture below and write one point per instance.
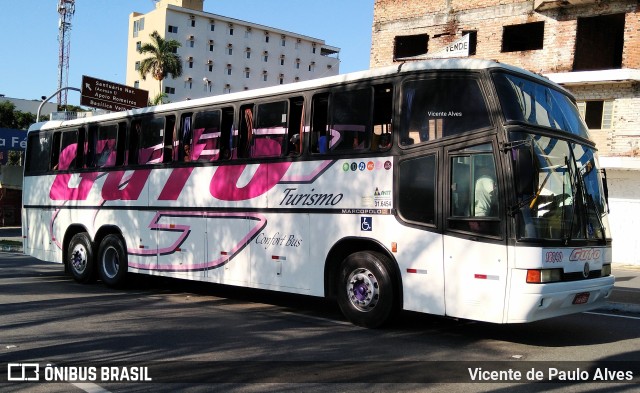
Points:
(625, 297)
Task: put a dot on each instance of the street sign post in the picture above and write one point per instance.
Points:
(101, 94)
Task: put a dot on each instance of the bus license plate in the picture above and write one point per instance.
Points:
(581, 298)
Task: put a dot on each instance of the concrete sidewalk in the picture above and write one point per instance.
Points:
(625, 296)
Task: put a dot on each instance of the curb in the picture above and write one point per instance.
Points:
(11, 248)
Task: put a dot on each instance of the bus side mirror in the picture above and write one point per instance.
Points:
(524, 171)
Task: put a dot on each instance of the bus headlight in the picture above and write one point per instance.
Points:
(606, 270)
(539, 276)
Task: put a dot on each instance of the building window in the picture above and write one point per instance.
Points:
(136, 84)
(247, 33)
(599, 43)
(247, 73)
(597, 114)
(169, 90)
(190, 63)
(281, 79)
(138, 45)
(266, 37)
(193, 22)
(410, 46)
(138, 26)
(248, 53)
(313, 48)
(230, 30)
(230, 49)
(191, 43)
(264, 76)
(172, 29)
(298, 64)
(228, 69)
(266, 56)
(188, 83)
(528, 36)
(283, 41)
(174, 50)
(137, 66)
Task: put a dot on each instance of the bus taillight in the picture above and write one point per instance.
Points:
(539, 276)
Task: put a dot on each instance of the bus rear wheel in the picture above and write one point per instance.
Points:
(112, 261)
(365, 289)
(80, 258)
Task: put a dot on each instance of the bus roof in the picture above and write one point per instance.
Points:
(423, 65)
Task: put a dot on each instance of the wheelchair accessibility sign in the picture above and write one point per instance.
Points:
(366, 224)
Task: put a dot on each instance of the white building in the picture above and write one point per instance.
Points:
(224, 55)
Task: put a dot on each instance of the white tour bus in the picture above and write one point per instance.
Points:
(464, 188)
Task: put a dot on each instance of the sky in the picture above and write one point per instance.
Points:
(29, 31)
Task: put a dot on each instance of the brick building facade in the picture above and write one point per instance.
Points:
(591, 47)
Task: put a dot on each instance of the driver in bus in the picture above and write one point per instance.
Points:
(484, 193)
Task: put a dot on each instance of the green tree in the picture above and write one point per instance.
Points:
(11, 118)
(162, 61)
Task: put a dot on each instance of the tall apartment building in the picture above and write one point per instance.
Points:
(224, 55)
(591, 47)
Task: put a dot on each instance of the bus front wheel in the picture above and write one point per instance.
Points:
(365, 289)
(80, 258)
(112, 261)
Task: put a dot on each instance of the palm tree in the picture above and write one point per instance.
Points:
(163, 59)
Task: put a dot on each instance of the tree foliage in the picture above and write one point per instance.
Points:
(163, 59)
(12, 118)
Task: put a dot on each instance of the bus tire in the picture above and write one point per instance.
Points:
(80, 258)
(112, 261)
(365, 289)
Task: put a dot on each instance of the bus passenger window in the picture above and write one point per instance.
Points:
(151, 140)
(430, 111)
(294, 137)
(271, 127)
(319, 124)
(206, 136)
(39, 153)
(68, 151)
(381, 138)
(105, 146)
(350, 120)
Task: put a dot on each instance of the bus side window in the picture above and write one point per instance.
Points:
(227, 131)
(294, 137)
(270, 129)
(430, 111)
(39, 152)
(134, 138)
(350, 121)
(245, 133)
(169, 132)
(68, 151)
(381, 138)
(206, 136)
(151, 141)
(319, 123)
(105, 147)
(121, 146)
(181, 149)
(55, 150)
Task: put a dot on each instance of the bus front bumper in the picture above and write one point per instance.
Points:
(533, 302)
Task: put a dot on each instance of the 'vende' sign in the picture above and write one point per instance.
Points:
(101, 94)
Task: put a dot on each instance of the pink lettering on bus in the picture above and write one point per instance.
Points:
(112, 191)
(224, 183)
(60, 190)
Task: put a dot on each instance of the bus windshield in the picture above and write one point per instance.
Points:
(568, 202)
(525, 101)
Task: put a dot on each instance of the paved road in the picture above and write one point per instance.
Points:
(202, 337)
